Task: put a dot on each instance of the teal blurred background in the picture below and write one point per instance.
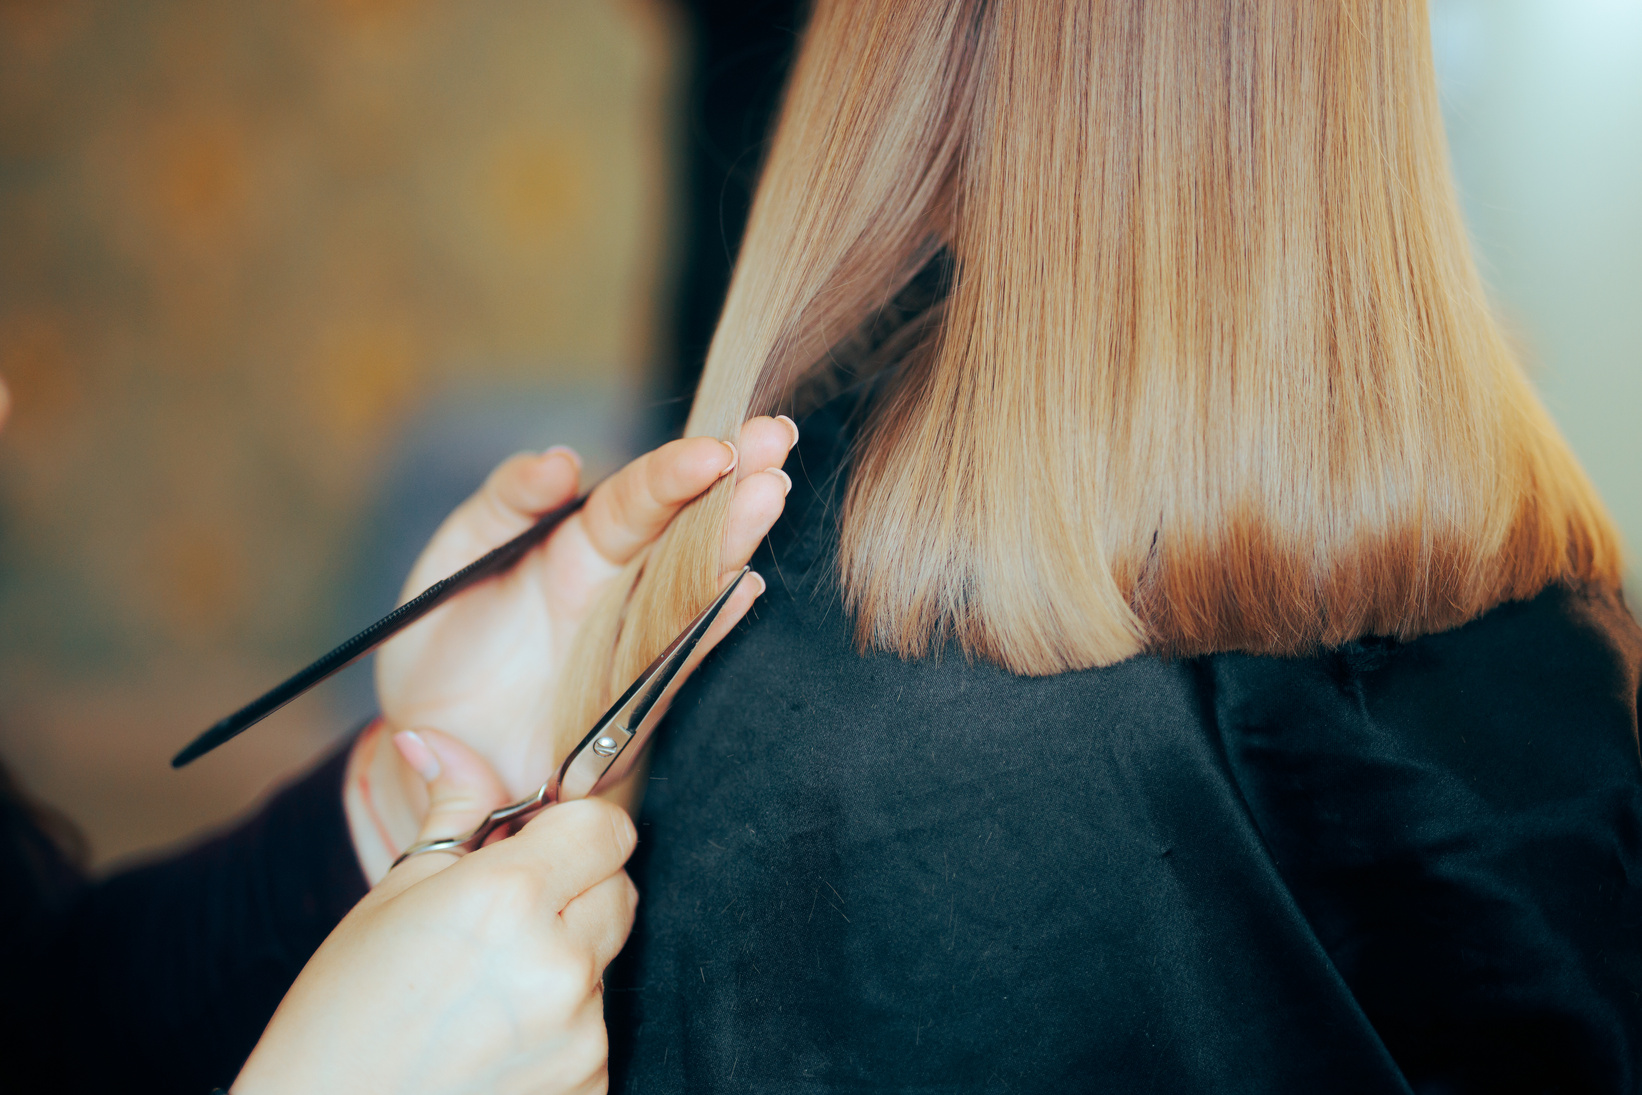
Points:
(279, 280)
(1543, 100)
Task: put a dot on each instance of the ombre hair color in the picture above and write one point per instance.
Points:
(1214, 369)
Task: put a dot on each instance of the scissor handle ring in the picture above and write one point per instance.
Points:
(458, 845)
(511, 814)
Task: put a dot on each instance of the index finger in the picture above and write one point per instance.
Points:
(630, 509)
(571, 847)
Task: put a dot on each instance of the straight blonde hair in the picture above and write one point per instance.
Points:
(1215, 370)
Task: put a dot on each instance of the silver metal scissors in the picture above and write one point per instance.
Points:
(609, 750)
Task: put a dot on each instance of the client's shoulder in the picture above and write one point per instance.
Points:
(1567, 633)
(1564, 632)
(1550, 681)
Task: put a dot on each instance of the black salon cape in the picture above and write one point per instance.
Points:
(1394, 867)
(161, 978)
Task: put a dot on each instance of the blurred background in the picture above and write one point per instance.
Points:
(279, 282)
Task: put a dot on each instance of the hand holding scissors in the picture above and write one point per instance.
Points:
(554, 899)
(452, 975)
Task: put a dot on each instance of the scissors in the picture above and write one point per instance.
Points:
(609, 750)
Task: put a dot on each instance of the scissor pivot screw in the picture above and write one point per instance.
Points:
(605, 747)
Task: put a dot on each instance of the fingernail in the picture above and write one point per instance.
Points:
(753, 575)
(417, 754)
(791, 425)
(565, 450)
(785, 478)
(735, 458)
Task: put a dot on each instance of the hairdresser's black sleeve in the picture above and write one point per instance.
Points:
(1460, 819)
(161, 979)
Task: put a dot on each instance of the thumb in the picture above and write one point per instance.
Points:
(462, 789)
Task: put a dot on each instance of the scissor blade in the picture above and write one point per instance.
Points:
(617, 739)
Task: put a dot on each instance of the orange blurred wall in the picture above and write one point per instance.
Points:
(242, 245)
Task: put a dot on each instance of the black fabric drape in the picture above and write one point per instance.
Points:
(1391, 867)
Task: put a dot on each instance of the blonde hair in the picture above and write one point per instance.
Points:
(1215, 370)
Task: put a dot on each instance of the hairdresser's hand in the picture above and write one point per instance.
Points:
(461, 975)
(484, 667)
